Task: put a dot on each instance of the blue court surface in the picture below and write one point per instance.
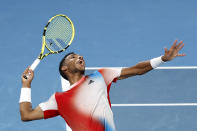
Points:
(109, 33)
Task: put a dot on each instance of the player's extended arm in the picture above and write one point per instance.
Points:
(26, 111)
(143, 67)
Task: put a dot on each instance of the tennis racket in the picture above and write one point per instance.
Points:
(57, 36)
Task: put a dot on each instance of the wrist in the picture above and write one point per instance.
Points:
(155, 62)
(25, 95)
(163, 58)
(25, 85)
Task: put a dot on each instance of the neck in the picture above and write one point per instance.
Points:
(74, 77)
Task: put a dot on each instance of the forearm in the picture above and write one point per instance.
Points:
(26, 111)
(141, 68)
(25, 102)
(144, 67)
(147, 66)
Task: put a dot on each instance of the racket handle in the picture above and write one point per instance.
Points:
(33, 66)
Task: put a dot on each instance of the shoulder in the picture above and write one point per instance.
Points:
(95, 74)
(110, 71)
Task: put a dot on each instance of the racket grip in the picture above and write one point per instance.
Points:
(35, 64)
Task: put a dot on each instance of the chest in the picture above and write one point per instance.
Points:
(92, 89)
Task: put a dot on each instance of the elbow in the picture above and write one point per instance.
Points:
(25, 117)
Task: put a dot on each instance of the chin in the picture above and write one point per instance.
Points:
(81, 69)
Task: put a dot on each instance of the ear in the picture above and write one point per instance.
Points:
(64, 68)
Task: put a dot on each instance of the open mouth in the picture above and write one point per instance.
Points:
(81, 62)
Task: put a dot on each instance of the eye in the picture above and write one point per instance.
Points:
(72, 57)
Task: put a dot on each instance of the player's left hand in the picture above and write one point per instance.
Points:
(173, 51)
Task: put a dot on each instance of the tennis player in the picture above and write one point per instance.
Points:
(86, 105)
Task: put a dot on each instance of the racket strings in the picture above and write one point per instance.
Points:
(59, 38)
(58, 34)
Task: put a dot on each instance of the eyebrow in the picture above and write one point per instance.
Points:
(71, 55)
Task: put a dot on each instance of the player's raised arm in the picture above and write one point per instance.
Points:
(143, 67)
(27, 113)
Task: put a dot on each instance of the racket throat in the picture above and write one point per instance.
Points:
(35, 64)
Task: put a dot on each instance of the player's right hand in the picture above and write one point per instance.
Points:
(27, 82)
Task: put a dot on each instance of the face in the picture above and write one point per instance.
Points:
(75, 63)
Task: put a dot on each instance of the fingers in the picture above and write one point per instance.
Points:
(28, 73)
(177, 47)
(174, 44)
(181, 46)
(166, 50)
(27, 77)
(25, 72)
(31, 73)
(174, 50)
(181, 54)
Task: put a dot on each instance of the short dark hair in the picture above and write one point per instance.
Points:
(62, 63)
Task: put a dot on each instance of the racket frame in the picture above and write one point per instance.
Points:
(42, 55)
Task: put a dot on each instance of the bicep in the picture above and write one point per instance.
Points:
(49, 108)
(36, 114)
(128, 72)
(45, 110)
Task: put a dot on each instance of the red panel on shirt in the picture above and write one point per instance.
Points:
(77, 120)
(50, 113)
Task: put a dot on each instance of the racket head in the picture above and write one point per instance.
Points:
(58, 34)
